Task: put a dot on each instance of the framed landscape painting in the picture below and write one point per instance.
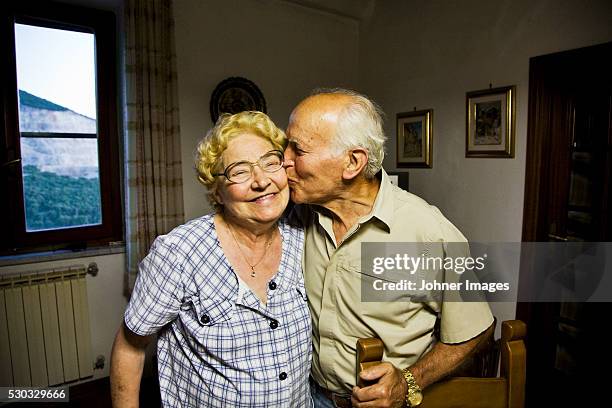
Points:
(490, 124)
(414, 139)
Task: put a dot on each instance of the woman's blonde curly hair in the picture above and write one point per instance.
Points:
(209, 152)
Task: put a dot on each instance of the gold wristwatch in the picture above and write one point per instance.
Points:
(414, 397)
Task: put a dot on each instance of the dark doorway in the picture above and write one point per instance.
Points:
(567, 198)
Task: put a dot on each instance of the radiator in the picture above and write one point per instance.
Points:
(44, 328)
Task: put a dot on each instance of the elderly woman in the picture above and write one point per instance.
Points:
(224, 292)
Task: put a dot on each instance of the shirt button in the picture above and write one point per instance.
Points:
(273, 324)
(205, 319)
(282, 376)
(272, 285)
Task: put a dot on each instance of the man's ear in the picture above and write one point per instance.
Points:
(356, 161)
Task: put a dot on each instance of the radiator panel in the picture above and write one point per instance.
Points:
(6, 374)
(34, 332)
(17, 337)
(53, 347)
(67, 335)
(45, 334)
(81, 323)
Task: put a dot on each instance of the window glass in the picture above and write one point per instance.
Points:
(57, 120)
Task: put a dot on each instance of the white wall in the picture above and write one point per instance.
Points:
(429, 53)
(285, 49)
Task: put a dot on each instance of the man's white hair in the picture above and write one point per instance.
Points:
(360, 124)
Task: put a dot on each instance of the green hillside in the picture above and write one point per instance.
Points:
(54, 201)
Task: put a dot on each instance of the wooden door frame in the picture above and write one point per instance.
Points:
(545, 141)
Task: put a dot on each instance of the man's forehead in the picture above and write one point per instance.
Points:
(319, 107)
(301, 129)
(311, 122)
(303, 135)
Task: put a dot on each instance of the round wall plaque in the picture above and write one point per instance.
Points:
(236, 94)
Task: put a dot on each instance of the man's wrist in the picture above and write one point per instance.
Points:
(414, 395)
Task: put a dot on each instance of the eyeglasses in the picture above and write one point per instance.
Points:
(241, 171)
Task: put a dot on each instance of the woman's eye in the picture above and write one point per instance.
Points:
(239, 172)
(272, 162)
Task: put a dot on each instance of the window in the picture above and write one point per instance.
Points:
(60, 162)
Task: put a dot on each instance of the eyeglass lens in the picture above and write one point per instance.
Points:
(242, 171)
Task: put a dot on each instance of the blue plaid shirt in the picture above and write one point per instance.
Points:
(218, 347)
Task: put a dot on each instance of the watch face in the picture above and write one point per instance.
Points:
(415, 399)
(234, 95)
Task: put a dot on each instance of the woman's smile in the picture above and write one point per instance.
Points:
(265, 198)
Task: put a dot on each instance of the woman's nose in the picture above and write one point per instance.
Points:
(260, 178)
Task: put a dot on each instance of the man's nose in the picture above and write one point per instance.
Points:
(289, 157)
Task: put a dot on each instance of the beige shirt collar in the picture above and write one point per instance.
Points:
(382, 210)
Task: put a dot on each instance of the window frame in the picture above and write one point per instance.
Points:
(16, 239)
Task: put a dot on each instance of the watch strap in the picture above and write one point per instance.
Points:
(414, 391)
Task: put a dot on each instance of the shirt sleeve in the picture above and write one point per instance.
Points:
(462, 321)
(459, 320)
(158, 291)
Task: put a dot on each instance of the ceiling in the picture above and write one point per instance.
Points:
(354, 9)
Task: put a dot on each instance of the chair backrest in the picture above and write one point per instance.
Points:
(505, 391)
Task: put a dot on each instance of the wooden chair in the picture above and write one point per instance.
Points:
(505, 391)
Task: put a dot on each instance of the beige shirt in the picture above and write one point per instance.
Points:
(333, 284)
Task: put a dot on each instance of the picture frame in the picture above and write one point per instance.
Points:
(414, 139)
(491, 122)
(234, 95)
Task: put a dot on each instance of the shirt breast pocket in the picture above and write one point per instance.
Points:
(385, 287)
(208, 312)
(210, 324)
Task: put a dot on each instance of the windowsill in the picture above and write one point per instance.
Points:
(36, 257)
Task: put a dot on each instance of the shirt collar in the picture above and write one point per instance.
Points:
(382, 209)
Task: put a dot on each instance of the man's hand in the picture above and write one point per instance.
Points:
(388, 392)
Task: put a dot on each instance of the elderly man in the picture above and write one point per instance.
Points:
(334, 165)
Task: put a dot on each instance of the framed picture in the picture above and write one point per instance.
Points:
(234, 95)
(414, 138)
(490, 123)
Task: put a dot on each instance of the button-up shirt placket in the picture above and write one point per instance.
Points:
(328, 320)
